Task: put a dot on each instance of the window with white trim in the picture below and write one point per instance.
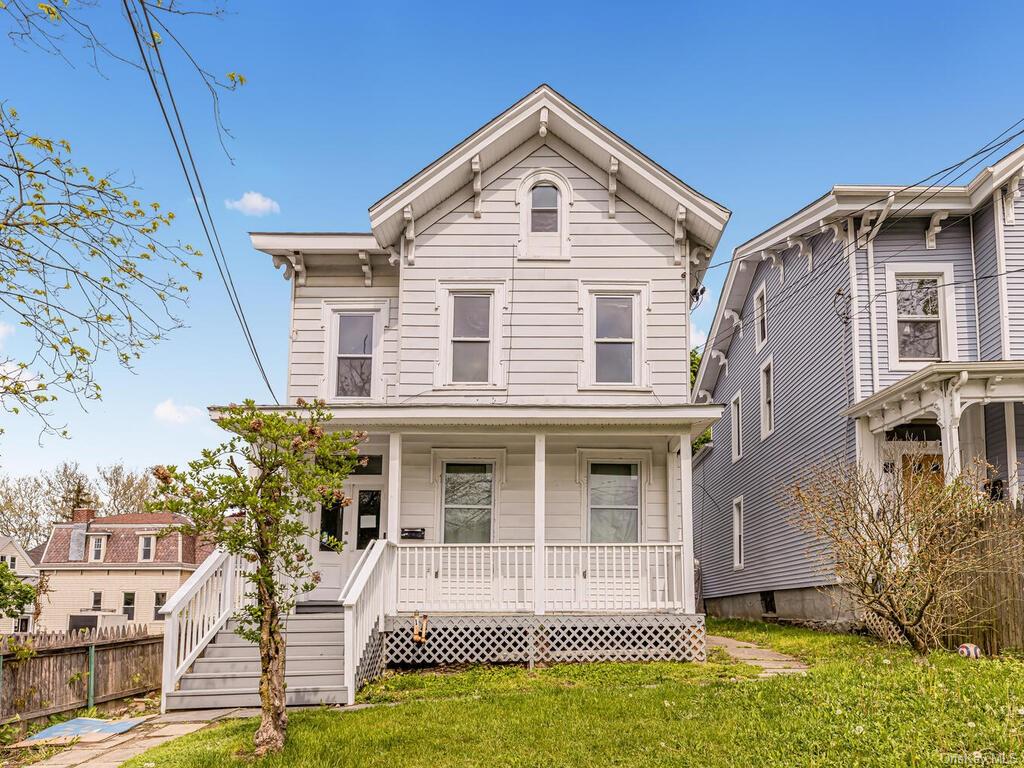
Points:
(158, 603)
(147, 545)
(354, 363)
(760, 318)
(128, 605)
(471, 337)
(767, 398)
(97, 601)
(467, 502)
(921, 314)
(737, 532)
(544, 200)
(613, 502)
(97, 545)
(736, 426)
(613, 314)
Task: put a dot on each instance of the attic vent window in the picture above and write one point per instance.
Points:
(544, 208)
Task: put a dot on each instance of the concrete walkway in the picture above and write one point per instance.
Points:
(771, 662)
(113, 751)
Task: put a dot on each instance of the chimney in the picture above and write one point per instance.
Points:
(83, 515)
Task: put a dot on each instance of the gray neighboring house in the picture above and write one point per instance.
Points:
(874, 316)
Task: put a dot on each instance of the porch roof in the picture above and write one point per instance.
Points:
(941, 385)
(631, 419)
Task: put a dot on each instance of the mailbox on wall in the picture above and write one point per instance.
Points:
(414, 533)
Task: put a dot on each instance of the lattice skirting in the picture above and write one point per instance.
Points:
(371, 664)
(537, 639)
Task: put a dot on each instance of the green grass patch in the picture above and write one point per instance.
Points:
(862, 704)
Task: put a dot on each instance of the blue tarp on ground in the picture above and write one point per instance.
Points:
(80, 726)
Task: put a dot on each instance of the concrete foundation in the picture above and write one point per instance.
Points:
(811, 605)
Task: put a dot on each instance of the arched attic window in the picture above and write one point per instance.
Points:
(544, 198)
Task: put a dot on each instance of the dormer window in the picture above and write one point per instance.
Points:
(544, 208)
(96, 546)
(147, 544)
(544, 199)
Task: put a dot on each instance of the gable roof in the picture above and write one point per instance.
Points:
(36, 553)
(450, 173)
(841, 201)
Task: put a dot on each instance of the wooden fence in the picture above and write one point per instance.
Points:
(43, 674)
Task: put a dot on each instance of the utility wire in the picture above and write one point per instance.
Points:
(989, 149)
(206, 220)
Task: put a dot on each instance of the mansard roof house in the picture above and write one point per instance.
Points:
(513, 333)
(876, 316)
(115, 569)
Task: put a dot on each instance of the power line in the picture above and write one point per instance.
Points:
(851, 247)
(206, 220)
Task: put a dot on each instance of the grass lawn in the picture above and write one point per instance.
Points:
(862, 704)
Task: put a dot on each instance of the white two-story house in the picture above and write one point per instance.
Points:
(874, 323)
(513, 333)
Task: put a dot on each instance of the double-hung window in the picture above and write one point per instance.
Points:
(96, 546)
(737, 532)
(544, 208)
(97, 601)
(614, 339)
(354, 368)
(468, 502)
(614, 502)
(128, 605)
(736, 425)
(471, 338)
(918, 319)
(760, 318)
(158, 603)
(767, 398)
(146, 546)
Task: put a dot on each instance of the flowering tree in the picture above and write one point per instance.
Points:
(252, 496)
(14, 593)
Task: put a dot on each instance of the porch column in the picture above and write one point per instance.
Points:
(394, 532)
(539, 487)
(1012, 470)
(686, 521)
(950, 431)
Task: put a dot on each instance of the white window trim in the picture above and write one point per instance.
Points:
(444, 305)
(587, 456)
(947, 311)
(588, 292)
(739, 539)
(523, 203)
(152, 547)
(736, 425)
(90, 544)
(441, 456)
(770, 367)
(759, 296)
(380, 311)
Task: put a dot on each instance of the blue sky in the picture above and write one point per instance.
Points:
(760, 106)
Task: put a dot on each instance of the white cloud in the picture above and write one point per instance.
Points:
(253, 204)
(6, 331)
(699, 336)
(170, 412)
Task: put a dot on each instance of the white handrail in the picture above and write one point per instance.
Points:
(365, 604)
(352, 575)
(197, 611)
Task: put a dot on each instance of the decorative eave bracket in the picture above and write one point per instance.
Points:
(837, 229)
(682, 245)
(804, 250)
(409, 236)
(777, 261)
(934, 227)
(542, 131)
(367, 267)
(474, 166)
(613, 172)
(703, 393)
(1012, 193)
(294, 264)
(737, 322)
(717, 354)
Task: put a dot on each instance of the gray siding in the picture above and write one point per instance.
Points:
(903, 241)
(995, 439)
(1014, 237)
(810, 352)
(986, 263)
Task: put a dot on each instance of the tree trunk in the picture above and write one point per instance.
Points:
(274, 721)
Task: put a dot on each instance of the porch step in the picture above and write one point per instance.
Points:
(297, 696)
(250, 681)
(244, 651)
(309, 622)
(292, 636)
(228, 665)
(319, 606)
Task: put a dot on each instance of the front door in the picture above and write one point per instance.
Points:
(355, 526)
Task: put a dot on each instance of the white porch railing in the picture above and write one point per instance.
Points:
(197, 611)
(486, 578)
(613, 577)
(366, 599)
